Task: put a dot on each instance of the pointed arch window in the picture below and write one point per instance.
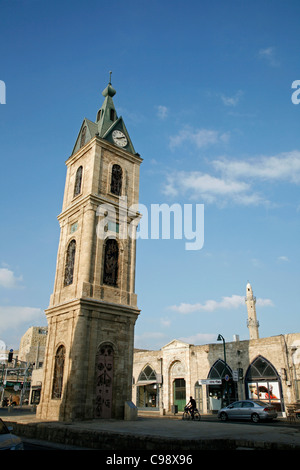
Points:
(59, 366)
(83, 135)
(261, 368)
(116, 180)
(78, 181)
(219, 369)
(147, 374)
(111, 262)
(70, 262)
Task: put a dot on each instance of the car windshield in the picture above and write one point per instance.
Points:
(3, 428)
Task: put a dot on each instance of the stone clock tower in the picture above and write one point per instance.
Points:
(93, 308)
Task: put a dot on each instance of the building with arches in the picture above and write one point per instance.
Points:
(267, 369)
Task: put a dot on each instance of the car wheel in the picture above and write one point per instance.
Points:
(223, 416)
(255, 418)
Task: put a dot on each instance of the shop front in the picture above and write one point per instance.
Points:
(263, 383)
(221, 388)
(147, 389)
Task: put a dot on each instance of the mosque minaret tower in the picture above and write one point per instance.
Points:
(252, 322)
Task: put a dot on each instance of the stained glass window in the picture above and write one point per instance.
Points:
(111, 255)
(78, 180)
(70, 262)
(116, 180)
(58, 372)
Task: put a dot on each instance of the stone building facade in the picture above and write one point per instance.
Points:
(93, 308)
(32, 346)
(266, 368)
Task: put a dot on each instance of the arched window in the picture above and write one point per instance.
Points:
(83, 134)
(70, 262)
(147, 374)
(261, 368)
(116, 180)
(219, 370)
(58, 372)
(111, 261)
(262, 382)
(78, 180)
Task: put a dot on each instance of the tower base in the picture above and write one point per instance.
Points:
(88, 361)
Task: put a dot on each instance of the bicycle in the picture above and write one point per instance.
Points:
(187, 415)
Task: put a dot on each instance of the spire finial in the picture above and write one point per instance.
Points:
(109, 90)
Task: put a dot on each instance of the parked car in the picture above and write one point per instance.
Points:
(248, 409)
(9, 441)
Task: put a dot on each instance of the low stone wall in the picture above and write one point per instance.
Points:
(113, 441)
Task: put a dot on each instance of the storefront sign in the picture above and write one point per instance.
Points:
(210, 382)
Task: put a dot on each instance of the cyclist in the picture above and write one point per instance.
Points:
(191, 406)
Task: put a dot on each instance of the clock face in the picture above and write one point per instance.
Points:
(119, 138)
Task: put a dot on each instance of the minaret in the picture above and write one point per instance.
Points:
(252, 322)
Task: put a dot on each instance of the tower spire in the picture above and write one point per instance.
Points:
(107, 114)
(252, 322)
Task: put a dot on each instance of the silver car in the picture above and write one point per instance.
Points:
(248, 409)
(9, 441)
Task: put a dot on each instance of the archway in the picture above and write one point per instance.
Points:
(147, 391)
(224, 390)
(262, 382)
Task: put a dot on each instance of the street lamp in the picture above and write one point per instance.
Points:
(221, 338)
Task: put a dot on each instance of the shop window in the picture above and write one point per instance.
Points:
(263, 383)
(147, 389)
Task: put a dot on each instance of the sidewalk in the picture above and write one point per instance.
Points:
(169, 433)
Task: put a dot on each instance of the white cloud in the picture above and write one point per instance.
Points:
(236, 179)
(264, 303)
(283, 258)
(199, 338)
(149, 340)
(165, 322)
(8, 279)
(269, 55)
(12, 317)
(281, 167)
(210, 188)
(162, 112)
(232, 100)
(233, 302)
(199, 137)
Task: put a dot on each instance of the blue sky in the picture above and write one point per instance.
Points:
(205, 91)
